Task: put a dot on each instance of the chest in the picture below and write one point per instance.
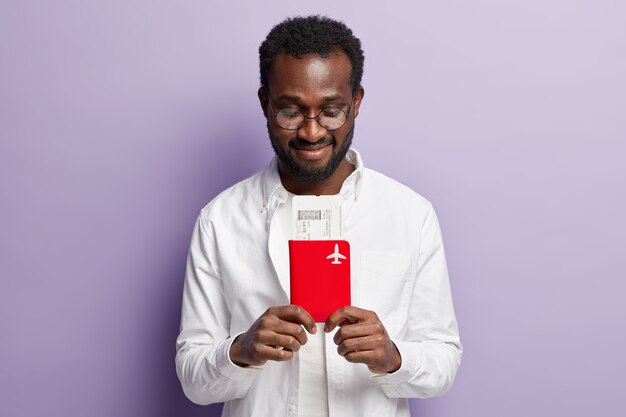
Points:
(383, 263)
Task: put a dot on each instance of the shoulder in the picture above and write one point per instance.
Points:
(393, 191)
(243, 196)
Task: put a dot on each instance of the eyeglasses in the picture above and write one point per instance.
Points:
(330, 118)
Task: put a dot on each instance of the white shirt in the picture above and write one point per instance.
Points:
(238, 266)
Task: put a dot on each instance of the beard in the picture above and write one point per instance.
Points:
(311, 174)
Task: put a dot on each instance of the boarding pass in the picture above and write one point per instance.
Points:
(316, 217)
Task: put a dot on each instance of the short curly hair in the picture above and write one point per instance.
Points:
(302, 35)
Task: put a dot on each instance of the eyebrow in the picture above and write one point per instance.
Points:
(296, 99)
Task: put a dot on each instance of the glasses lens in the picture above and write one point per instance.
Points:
(332, 118)
(289, 119)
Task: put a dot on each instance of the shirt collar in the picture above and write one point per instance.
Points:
(274, 192)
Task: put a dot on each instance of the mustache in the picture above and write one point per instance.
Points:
(305, 144)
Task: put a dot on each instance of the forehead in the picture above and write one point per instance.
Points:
(311, 75)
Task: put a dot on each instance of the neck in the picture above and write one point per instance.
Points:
(329, 186)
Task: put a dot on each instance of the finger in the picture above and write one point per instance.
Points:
(297, 314)
(270, 338)
(358, 330)
(347, 313)
(361, 344)
(362, 356)
(288, 329)
(373, 359)
(278, 325)
(268, 353)
(368, 358)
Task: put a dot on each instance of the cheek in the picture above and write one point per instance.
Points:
(341, 136)
(281, 138)
(284, 137)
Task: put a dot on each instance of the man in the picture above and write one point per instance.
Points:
(241, 342)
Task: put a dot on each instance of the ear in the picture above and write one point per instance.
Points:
(263, 99)
(358, 97)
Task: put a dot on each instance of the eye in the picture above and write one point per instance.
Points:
(331, 112)
(290, 113)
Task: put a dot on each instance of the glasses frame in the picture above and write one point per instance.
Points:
(305, 117)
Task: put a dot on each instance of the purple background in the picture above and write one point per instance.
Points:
(119, 120)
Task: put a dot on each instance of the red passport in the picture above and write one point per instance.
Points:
(319, 276)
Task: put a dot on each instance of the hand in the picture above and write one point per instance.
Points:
(273, 336)
(362, 338)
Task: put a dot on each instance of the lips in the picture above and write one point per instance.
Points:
(313, 152)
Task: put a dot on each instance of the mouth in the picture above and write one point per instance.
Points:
(314, 152)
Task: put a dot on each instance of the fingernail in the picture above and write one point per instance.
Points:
(313, 329)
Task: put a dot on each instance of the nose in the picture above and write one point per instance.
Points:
(311, 130)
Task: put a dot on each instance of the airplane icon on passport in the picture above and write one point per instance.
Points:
(336, 255)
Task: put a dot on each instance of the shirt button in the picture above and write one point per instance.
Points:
(292, 408)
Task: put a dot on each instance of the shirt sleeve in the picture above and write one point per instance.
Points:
(431, 350)
(205, 370)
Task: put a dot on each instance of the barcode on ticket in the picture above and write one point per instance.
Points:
(309, 214)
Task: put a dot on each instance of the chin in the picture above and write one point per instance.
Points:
(312, 170)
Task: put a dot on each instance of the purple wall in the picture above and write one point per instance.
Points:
(121, 119)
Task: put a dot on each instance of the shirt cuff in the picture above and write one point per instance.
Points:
(228, 368)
